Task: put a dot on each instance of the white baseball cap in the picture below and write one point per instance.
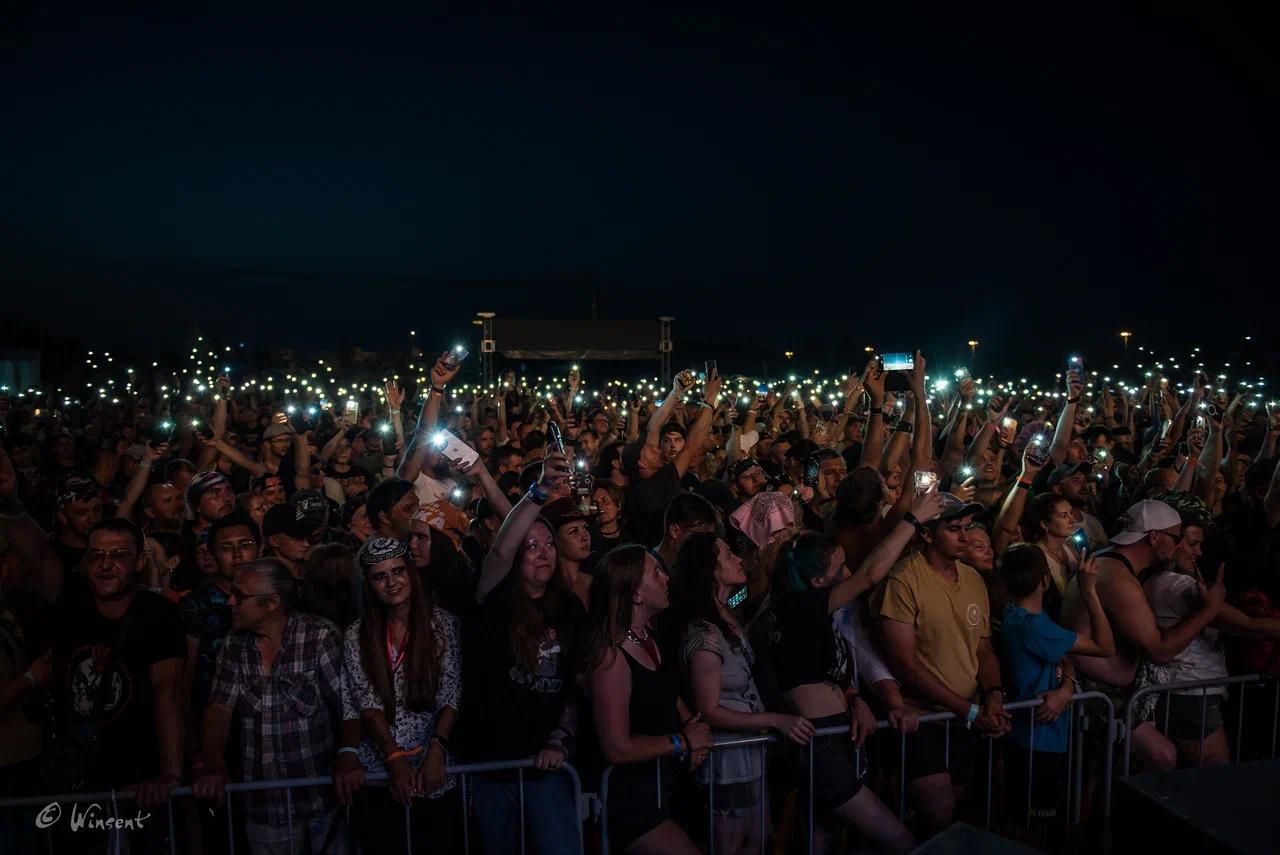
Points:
(1147, 515)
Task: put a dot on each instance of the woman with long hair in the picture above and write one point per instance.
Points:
(518, 662)
(717, 660)
(572, 529)
(640, 720)
(402, 679)
(812, 662)
(328, 573)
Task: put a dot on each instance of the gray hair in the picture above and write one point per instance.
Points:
(278, 578)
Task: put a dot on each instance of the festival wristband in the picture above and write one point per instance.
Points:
(1023, 485)
(396, 755)
(349, 749)
(535, 495)
(972, 716)
(675, 745)
(909, 517)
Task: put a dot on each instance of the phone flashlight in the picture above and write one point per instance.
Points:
(291, 409)
(440, 439)
(385, 427)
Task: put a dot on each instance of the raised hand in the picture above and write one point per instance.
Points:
(395, 395)
(441, 373)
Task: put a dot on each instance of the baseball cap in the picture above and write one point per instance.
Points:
(674, 427)
(284, 519)
(1066, 470)
(273, 430)
(310, 505)
(563, 511)
(953, 506)
(1147, 515)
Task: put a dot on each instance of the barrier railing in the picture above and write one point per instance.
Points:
(1244, 681)
(1075, 775)
(463, 770)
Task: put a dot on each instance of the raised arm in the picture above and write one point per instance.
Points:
(922, 430)
(882, 558)
(498, 561)
(415, 454)
(701, 425)
(653, 434)
(138, 483)
(1015, 502)
(1067, 418)
(873, 441)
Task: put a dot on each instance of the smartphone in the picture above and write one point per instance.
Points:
(1076, 364)
(926, 481)
(711, 367)
(1081, 542)
(352, 410)
(163, 432)
(455, 356)
(897, 362)
(1038, 450)
(811, 468)
(554, 440)
(454, 449)
(962, 374)
(737, 598)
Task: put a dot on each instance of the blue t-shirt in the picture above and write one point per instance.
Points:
(1030, 647)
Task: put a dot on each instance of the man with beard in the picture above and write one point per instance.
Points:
(288, 535)
(1147, 544)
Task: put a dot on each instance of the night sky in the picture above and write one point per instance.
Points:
(813, 182)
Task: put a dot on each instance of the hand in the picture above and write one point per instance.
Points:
(794, 728)
(400, 781)
(42, 670)
(441, 373)
(916, 375)
(395, 395)
(968, 390)
(927, 507)
(1088, 575)
(966, 491)
(711, 388)
(431, 774)
(853, 387)
(549, 759)
(1074, 384)
(224, 385)
(150, 453)
(155, 791)
(555, 471)
(211, 784)
(1216, 594)
(574, 380)
(699, 735)
(348, 776)
(1030, 465)
(682, 383)
(994, 720)
(903, 720)
(862, 723)
(1055, 701)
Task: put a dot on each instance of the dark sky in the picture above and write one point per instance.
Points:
(829, 178)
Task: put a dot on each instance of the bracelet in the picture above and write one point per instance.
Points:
(535, 495)
(686, 742)
(1074, 400)
(1022, 485)
(971, 717)
(396, 755)
(909, 517)
(875, 413)
(349, 749)
(676, 747)
(439, 390)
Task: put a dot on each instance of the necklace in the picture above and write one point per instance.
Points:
(392, 657)
(645, 643)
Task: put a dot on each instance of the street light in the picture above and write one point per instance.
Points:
(1125, 334)
(973, 349)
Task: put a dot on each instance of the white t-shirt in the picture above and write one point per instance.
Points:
(868, 667)
(429, 489)
(1173, 596)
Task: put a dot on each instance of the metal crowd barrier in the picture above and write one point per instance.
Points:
(1244, 681)
(289, 785)
(1075, 774)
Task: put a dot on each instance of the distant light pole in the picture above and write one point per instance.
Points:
(1126, 335)
(973, 350)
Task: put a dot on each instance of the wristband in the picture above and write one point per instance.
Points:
(396, 755)
(349, 749)
(971, 717)
(911, 518)
(1022, 485)
(675, 745)
(535, 495)
(1074, 400)
(875, 413)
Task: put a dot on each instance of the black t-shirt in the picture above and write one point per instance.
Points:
(646, 504)
(509, 711)
(128, 750)
(804, 644)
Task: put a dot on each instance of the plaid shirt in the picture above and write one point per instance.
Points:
(289, 717)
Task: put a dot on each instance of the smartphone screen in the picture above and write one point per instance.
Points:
(897, 361)
(553, 435)
(711, 367)
(925, 481)
(456, 356)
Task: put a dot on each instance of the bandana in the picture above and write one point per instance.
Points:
(201, 484)
(76, 489)
(446, 519)
(380, 549)
(764, 515)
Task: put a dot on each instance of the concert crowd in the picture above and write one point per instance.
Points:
(245, 582)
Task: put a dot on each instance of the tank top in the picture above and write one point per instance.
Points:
(652, 707)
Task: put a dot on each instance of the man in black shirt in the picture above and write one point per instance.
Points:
(651, 483)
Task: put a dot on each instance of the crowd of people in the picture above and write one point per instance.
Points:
(238, 587)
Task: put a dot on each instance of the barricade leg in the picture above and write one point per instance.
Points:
(711, 808)
(466, 826)
(288, 801)
(231, 829)
(1031, 761)
(764, 794)
(520, 784)
(811, 795)
(1204, 708)
(991, 747)
(902, 781)
(173, 833)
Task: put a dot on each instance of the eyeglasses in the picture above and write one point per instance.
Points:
(1176, 538)
(246, 545)
(382, 576)
(116, 556)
